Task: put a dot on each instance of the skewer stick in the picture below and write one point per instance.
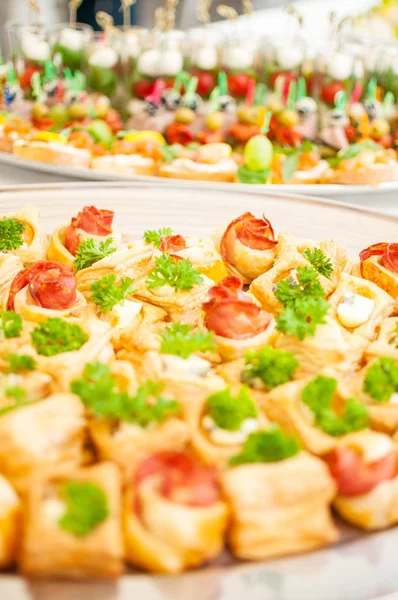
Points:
(125, 9)
(33, 8)
(203, 11)
(73, 6)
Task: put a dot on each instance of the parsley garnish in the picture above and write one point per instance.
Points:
(318, 395)
(303, 319)
(154, 236)
(99, 392)
(106, 294)
(288, 290)
(394, 339)
(269, 367)
(319, 261)
(304, 303)
(20, 362)
(91, 251)
(179, 274)
(86, 507)
(229, 412)
(10, 324)
(381, 380)
(181, 340)
(16, 392)
(267, 446)
(247, 176)
(56, 335)
(11, 231)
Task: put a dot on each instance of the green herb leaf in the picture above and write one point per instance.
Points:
(394, 339)
(318, 396)
(154, 236)
(319, 261)
(10, 324)
(354, 149)
(99, 392)
(308, 146)
(247, 176)
(229, 412)
(11, 231)
(55, 336)
(269, 367)
(106, 294)
(179, 274)
(289, 167)
(288, 291)
(20, 362)
(91, 251)
(86, 507)
(17, 392)
(302, 319)
(267, 446)
(180, 340)
(381, 380)
(171, 152)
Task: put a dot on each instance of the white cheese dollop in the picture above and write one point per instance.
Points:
(289, 56)
(224, 165)
(54, 509)
(72, 39)
(339, 66)
(355, 310)
(172, 62)
(193, 365)
(104, 57)
(229, 438)
(206, 58)
(123, 315)
(237, 57)
(149, 63)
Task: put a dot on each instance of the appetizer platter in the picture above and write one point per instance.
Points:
(200, 107)
(208, 385)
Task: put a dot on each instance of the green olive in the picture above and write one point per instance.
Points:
(214, 121)
(248, 115)
(184, 116)
(78, 111)
(59, 113)
(39, 111)
(289, 117)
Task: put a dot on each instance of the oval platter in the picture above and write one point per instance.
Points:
(359, 194)
(360, 567)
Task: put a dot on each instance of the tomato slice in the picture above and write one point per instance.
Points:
(206, 82)
(243, 132)
(237, 84)
(353, 476)
(329, 91)
(172, 243)
(181, 478)
(24, 277)
(178, 133)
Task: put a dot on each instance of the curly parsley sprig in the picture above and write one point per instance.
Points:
(267, 446)
(318, 396)
(106, 294)
(154, 236)
(307, 285)
(269, 367)
(91, 251)
(319, 261)
(20, 362)
(99, 392)
(228, 412)
(11, 232)
(381, 379)
(86, 507)
(179, 274)
(180, 340)
(55, 336)
(11, 324)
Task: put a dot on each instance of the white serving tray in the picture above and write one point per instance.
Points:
(359, 567)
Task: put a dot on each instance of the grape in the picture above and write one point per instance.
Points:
(101, 132)
(59, 113)
(258, 153)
